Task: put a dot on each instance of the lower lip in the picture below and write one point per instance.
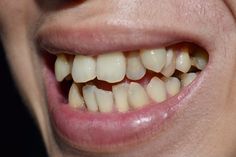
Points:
(96, 132)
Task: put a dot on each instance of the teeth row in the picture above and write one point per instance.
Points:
(124, 96)
(113, 67)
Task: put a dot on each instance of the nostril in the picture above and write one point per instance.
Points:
(58, 4)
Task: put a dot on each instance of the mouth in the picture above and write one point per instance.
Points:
(118, 95)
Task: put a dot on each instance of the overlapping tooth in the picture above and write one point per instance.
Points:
(183, 61)
(83, 69)
(137, 96)
(172, 86)
(156, 90)
(120, 93)
(111, 67)
(104, 100)
(62, 67)
(187, 79)
(200, 59)
(154, 59)
(75, 99)
(135, 69)
(170, 65)
(89, 97)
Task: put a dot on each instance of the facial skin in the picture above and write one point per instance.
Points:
(204, 127)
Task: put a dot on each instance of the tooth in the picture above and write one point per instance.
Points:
(183, 61)
(170, 65)
(62, 67)
(135, 69)
(154, 59)
(83, 69)
(75, 99)
(111, 67)
(104, 100)
(120, 92)
(188, 78)
(137, 96)
(172, 85)
(89, 97)
(200, 59)
(156, 89)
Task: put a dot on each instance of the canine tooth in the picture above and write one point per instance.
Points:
(75, 99)
(154, 59)
(183, 61)
(84, 68)
(170, 65)
(111, 67)
(120, 92)
(172, 85)
(188, 78)
(137, 96)
(104, 100)
(200, 59)
(156, 89)
(89, 97)
(135, 69)
(62, 67)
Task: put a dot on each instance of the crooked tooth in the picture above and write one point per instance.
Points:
(170, 65)
(135, 69)
(75, 99)
(200, 59)
(89, 97)
(188, 78)
(137, 96)
(154, 59)
(84, 68)
(62, 67)
(156, 90)
(183, 61)
(120, 92)
(111, 67)
(172, 85)
(104, 100)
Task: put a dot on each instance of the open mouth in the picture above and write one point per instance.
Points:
(107, 101)
(126, 81)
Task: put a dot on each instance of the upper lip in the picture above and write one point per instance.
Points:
(93, 38)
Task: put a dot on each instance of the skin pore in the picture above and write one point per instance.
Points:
(203, 127)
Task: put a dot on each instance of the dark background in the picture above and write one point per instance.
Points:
(19, 135)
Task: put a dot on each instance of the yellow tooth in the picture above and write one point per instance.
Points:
(89, 97)
(111, 67)
(120, 92)
(154, 59)
(172, 85)
(183, 61)
(135, 69)
(62, 67)
(84, 69)
(200, 59)
(187, 79)
(104, 100)
(170, 65)
(75, 99)
(156, 90)
(137, 96)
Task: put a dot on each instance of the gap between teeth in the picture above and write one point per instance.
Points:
(114, 67)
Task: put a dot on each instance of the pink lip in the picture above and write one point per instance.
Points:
(114, 131)
(105, 132)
